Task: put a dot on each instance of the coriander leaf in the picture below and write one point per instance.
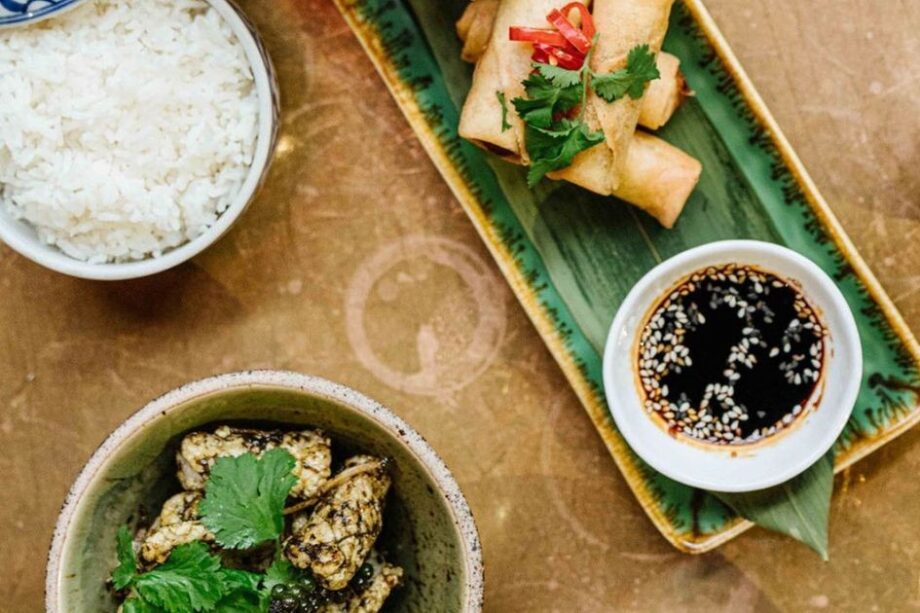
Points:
(243, 593)
(545, 100)
(235, 579)
(280, 572)
(136, 605)
(243, 602)
(642, 63)
(559, 77)
(190, 580)
(126, 570)
(631, 81)
(501, 100)
(555, 149)
(244, 498)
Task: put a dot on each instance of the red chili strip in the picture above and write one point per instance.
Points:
(587, 21)
(563, 58)
(569, 31)
(537, 35)
(540, 57)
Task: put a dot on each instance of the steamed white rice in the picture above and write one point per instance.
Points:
(126, 127)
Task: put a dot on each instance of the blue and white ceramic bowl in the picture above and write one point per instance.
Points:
(21, 237)
(21, 12)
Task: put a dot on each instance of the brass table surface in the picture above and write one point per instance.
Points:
(356, 264)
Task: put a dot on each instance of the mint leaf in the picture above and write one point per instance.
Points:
(631, 81)
(244, 499)
(190, 580)
(555, 149)
(545, 100)
(559, 77)
(126, 570)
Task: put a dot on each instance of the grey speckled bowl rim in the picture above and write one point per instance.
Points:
(462, 516)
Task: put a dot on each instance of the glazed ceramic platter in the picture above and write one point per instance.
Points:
(571, 257)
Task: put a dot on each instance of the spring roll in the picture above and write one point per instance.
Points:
(505, 64)
(663, 96)
(475, 27)
(657, 177)
(622, 25)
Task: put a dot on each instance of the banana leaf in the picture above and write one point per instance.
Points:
(799, 508)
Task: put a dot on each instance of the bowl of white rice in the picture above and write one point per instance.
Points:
(133, 133)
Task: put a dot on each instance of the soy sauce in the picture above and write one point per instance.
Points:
(731, 355)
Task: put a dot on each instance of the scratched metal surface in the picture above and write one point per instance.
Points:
(356, 264)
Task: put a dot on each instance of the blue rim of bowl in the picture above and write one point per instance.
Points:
(26, 17)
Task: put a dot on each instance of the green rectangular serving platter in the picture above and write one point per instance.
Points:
(571, 256)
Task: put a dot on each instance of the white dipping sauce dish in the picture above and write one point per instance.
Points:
(746, 466)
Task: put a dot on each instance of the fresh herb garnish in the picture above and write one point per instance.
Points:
(501, 100)
(246, 592)
(552, 137)
(191, 579)
(244, 498)
(545, 99)
(555, 149)
(281, 572)
(562, 77)
(629, 81)
(126, 570)
(243, 506)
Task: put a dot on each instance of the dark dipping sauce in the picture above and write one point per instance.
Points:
(730, 356)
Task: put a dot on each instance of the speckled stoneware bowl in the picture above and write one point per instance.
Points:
(428, 527)
(23, 238)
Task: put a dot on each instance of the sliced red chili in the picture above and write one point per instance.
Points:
(540, 56)
(537, 35)
(587, 21)
(563, 58)
(569, 31)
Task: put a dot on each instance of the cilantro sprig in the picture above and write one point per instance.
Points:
(191, 579)
(629, 81)
(501, 100)
(244, 498)
(551, 135)
(243, 506)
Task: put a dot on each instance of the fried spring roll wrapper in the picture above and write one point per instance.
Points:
(663, 96)
(475, 27)
(505, 64)
(658, 178)
(503, 67)
(622, 25)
